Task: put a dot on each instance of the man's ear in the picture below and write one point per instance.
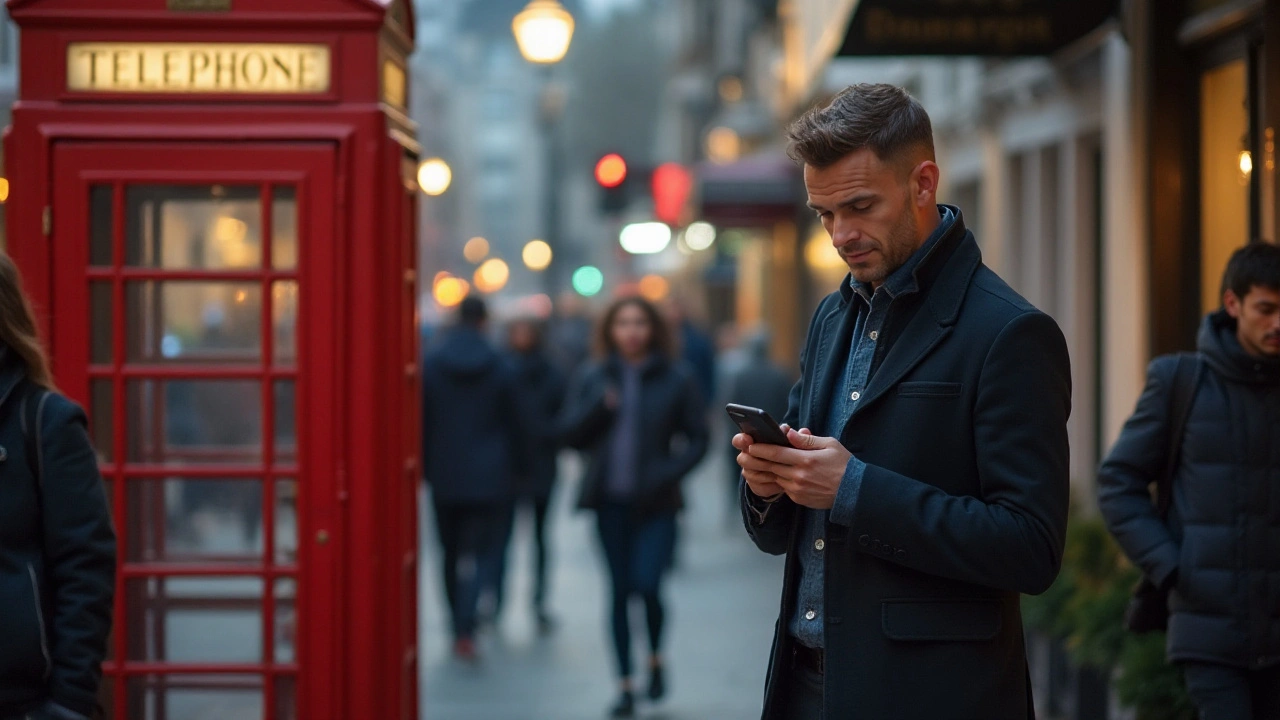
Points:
(1232, 303)
(924, 184)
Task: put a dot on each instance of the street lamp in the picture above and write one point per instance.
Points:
(543, 31)
(434, 176)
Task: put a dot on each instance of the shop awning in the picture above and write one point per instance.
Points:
(756, 191)
(971, 27)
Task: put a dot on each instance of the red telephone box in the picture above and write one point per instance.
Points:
(213, 203)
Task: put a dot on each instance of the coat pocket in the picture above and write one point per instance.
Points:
(929, 389)
(941, 620)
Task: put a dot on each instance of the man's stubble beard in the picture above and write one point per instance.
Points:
(896, 251)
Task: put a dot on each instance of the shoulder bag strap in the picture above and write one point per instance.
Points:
(1186, 379)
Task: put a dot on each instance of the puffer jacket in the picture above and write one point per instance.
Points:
(57, 552)
(1220, 549)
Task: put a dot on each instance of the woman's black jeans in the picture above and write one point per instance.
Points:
(638, 550)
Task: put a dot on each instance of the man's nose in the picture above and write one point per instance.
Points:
(844, 233)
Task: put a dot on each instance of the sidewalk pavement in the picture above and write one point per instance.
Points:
(722, 600)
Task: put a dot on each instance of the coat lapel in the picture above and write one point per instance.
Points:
(829, 363)
(944, 289)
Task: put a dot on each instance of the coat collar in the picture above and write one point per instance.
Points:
(943, 276)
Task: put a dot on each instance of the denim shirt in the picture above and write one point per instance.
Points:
(806, 623)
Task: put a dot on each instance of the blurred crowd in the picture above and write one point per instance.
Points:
(633, 389)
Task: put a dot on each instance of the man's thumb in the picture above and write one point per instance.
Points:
(803, 440)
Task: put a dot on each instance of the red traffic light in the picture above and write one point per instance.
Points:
(671, 186)
(611, 170)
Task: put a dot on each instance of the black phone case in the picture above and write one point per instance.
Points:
(758, 424)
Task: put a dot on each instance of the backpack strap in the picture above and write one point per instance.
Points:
(1186, 379)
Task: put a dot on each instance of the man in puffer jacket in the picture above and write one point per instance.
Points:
(1218, 552)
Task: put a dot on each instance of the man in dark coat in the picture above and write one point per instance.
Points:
(1219, 551)
(927, 485)
(469, 396)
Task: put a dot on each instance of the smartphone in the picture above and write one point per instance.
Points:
(758, 424)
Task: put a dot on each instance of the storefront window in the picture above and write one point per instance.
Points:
(1226, 167)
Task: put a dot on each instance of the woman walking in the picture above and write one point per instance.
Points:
(57, 548)
(637, 416)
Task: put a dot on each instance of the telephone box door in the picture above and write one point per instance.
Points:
(193, 316)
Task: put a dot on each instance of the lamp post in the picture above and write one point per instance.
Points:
(543, 31)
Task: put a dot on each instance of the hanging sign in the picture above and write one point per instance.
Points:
(971, 27)
(235, 68)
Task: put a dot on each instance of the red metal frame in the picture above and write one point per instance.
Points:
(310, 170)
(351, 159)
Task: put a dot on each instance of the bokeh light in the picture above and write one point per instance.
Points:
(654, 288)
(536, 255)
(450, 291)
(645, 238)
(611, 171)
(588, 280)
(700, 235)
(476, 249)
(492, 275)
(434, 176)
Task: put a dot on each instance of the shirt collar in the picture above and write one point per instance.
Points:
(903, 280)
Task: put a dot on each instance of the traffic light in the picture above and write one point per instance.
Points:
(611, 175)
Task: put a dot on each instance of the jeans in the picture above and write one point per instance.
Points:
(471, 537)
(639, 552)
(1222, 692)
(802, 694)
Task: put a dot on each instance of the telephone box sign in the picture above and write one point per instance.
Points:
(299, 69)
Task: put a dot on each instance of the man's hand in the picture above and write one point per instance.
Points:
(809, 472)
(760, 482)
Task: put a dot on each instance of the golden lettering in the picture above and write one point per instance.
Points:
(198, 68)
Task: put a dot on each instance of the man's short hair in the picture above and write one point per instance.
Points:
(472, 312)
(882, 117)
(1257, 263)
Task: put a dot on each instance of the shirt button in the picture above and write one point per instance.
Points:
(875, 335)
(855, 395)
(810, 615)
(819, 545)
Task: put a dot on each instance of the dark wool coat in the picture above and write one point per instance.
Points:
(57, 552)
(963, 505)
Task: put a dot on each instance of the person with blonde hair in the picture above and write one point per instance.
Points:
(57, 546)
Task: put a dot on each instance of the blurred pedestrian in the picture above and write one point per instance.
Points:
(540, 385)
(759, 383)
(933, 487)
(472, 452)
(638, 417)
(695, 347)
(57, 546)
(569, 333)
(1217, 550)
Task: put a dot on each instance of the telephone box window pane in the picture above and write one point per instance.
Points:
(195, 697)
(286, 619)
(195, 619)
(286, 537)
(195, 520)
(194, 322)
(284, 228)
(284, 314)
(101, 324)
(101, 226)
(102, 418)
(193, 227)
(286, 697)
(195, 421)
(286, 450)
